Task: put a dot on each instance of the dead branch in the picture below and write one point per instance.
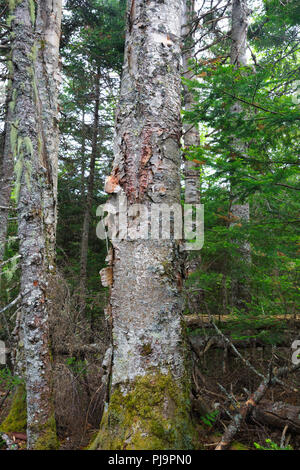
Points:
(248, 407)
(239, 355)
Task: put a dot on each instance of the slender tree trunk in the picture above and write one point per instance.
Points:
(83, 162)
(239, 31)
(6, 177)
(240, 213)
(238, 57)
(191, 139)
(150, 387)
(191, 133)
(89, 199)
(34, 143)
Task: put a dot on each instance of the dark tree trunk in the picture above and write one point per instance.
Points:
(89, 199)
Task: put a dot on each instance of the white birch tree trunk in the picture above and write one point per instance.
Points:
(238, 57)
(240, 213)
(150, 386)
(34, 144)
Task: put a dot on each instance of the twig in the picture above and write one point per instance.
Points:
(230, 397)
(12, 304)
(9, 260)
(254, 105)
(239, 355)
(282, 441)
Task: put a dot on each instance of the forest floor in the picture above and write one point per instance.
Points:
(236, 379)
(79, 409)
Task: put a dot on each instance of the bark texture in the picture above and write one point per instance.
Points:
(239, 32)
(149, 395)
(34, 145)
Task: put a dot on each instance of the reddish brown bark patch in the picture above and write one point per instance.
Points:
(112, 181)
(138, 171)
(145, 173)
(129, 180)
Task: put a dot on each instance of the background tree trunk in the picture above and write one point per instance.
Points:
(238, 57)
(83, 158)
(240, 213)
(191, 133)
(89, 199)
(150, 385)
(34, 142)
(191, 139)
(6, 176)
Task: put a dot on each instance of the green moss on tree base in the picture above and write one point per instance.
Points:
(16, 421)
(153, 415)
(48, 439)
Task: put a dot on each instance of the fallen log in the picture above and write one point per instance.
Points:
(277, 415)
(67, 349)
(203, 320)
(203, 344)
(20, 436)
